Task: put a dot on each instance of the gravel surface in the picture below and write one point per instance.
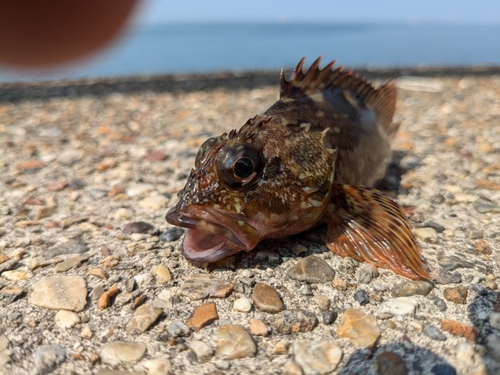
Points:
(92, 280)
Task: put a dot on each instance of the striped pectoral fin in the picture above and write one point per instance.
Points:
(367, 225)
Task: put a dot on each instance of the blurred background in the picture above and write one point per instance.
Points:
(155, 37)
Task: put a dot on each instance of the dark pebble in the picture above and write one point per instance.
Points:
(329, 317)
(77, 184)
(361, 296)
(451, 263)
(138, 227)
(390, 363)
(172, 234)
(67, 248)
(434, 333)
(312, 269)
(443, 369)
(430, 224)
(437, 199)
(439, 303)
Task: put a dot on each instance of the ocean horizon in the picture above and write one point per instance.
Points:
(214, 47)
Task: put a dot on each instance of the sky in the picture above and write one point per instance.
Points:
(486, 12)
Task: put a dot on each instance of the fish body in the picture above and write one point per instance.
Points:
(312, 157)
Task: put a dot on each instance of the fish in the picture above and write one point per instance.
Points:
(312, 158)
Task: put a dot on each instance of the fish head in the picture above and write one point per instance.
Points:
(263, 181)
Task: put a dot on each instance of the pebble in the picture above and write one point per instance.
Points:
(456, 294)
(437, 227)
(16, 275)
(474, 234)
(493, 346)
(68, 248)
(434, 333)
(294, 321)
(305, 290)
(495, 320)
(292, 368)
(443, 369)
(60, 293)
(144, 317)
(452, 262)
(202, 316)
(465, 353)
(201, 351)
(361, 296)
(312, 269)
(485, 207)
(4, 343)
(400, 306)
(233, 341)
(71, 263)
(106, 299)
(411, 287)
(361, 328)
(242, 304)
(222, 364)
(122, 352)
(201, 286)
(178, 329)
(329, 317)
(172, 234)
(123, 213)
(317, 357)
(439, 303)
(47, 358)
(161, 274)
(390, 363)
(86, 333)
(280, 348)
(138, 227)
(154, 202)
(339, 284)
(139, 189)
(67, 319)
(158, 366)
(258, 327)
(322, 302)
(366, 273)
(460, 329)
(426, 234)
(266, 298)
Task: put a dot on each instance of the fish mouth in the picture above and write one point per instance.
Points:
(212, 234)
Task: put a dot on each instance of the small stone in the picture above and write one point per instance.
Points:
(426, 234)
(30, 165)
(139, 189)
(294, 321)
(460, 329)
(410, 288)
(312, 269)
(437, 227)
(482, 247)
(178, 329)
(233, 341)
(292, 368)
(329, 317)
(305, 290)
(57, 186)
(107, 298)
(361, 296)
(158, 366)
(339, 284)
(322, 302)
(271, 257)
(86, 333)
(201, 351)
(434, 333)
(138, 227)
(317, 357)
(138, 301)
(172, 234)
(16, 275)
(201, 286)
(67, 319)
(10, 294)
(493, 346)
(485, 207)
(99, 272)
(280, 348)
(4, 343)
(222, 364)
(258, 327)
(145, 316)
(97, 292)
(495, 320)
(443, 369)
(47, 358)
(361, 328)
(122, 352)
(156, 156)
(439, 303)
(71, 263)
(452, 262)
(456, 294)
(60, 293)
(474, 234)
(490, 284)
(266, 298)
(242, 304)
(44, 212)
(400, 306)
(390, 363)
(465, 352)
(161, 274)
(366, 273)
(154, 202)
(202, 316)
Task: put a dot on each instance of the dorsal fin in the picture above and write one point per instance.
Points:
(381, 101)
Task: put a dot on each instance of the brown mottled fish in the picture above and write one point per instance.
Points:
(311, 158)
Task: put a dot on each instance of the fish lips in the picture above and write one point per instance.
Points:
(212, 234)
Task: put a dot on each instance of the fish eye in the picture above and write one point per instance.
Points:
(239, 166)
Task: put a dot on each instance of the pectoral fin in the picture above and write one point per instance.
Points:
(367, 225)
